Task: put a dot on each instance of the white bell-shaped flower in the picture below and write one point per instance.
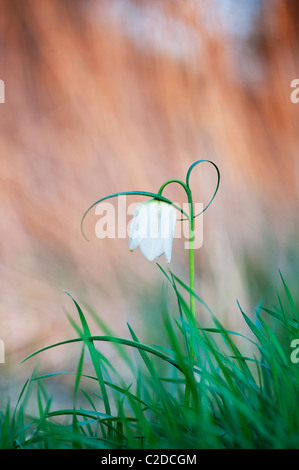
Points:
(152, 229)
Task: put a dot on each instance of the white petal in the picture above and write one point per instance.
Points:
(151, 245)
(168, 220)
(154, 220)
(152, 248)
(168, 248)
(137, 229)
(152, 229)
(134, 242)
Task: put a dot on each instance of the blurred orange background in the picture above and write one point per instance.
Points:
(107, 96)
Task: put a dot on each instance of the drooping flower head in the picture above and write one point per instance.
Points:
(152, 229)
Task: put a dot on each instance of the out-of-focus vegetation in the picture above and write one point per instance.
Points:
(110, 96)
(185, 393)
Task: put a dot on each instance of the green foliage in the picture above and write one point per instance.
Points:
(233, 400)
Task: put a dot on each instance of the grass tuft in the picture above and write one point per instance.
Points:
(234, 400)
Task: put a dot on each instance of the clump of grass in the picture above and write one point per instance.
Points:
(201, 392)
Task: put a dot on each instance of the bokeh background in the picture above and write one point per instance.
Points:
(106, 96)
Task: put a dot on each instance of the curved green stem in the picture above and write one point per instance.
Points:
(191, 264)
(191, 254)
(174, 180)
(192, 283)
(217, 186)
(191, 235)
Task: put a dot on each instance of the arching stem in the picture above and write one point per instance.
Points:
(191, 266)
(191, 237)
